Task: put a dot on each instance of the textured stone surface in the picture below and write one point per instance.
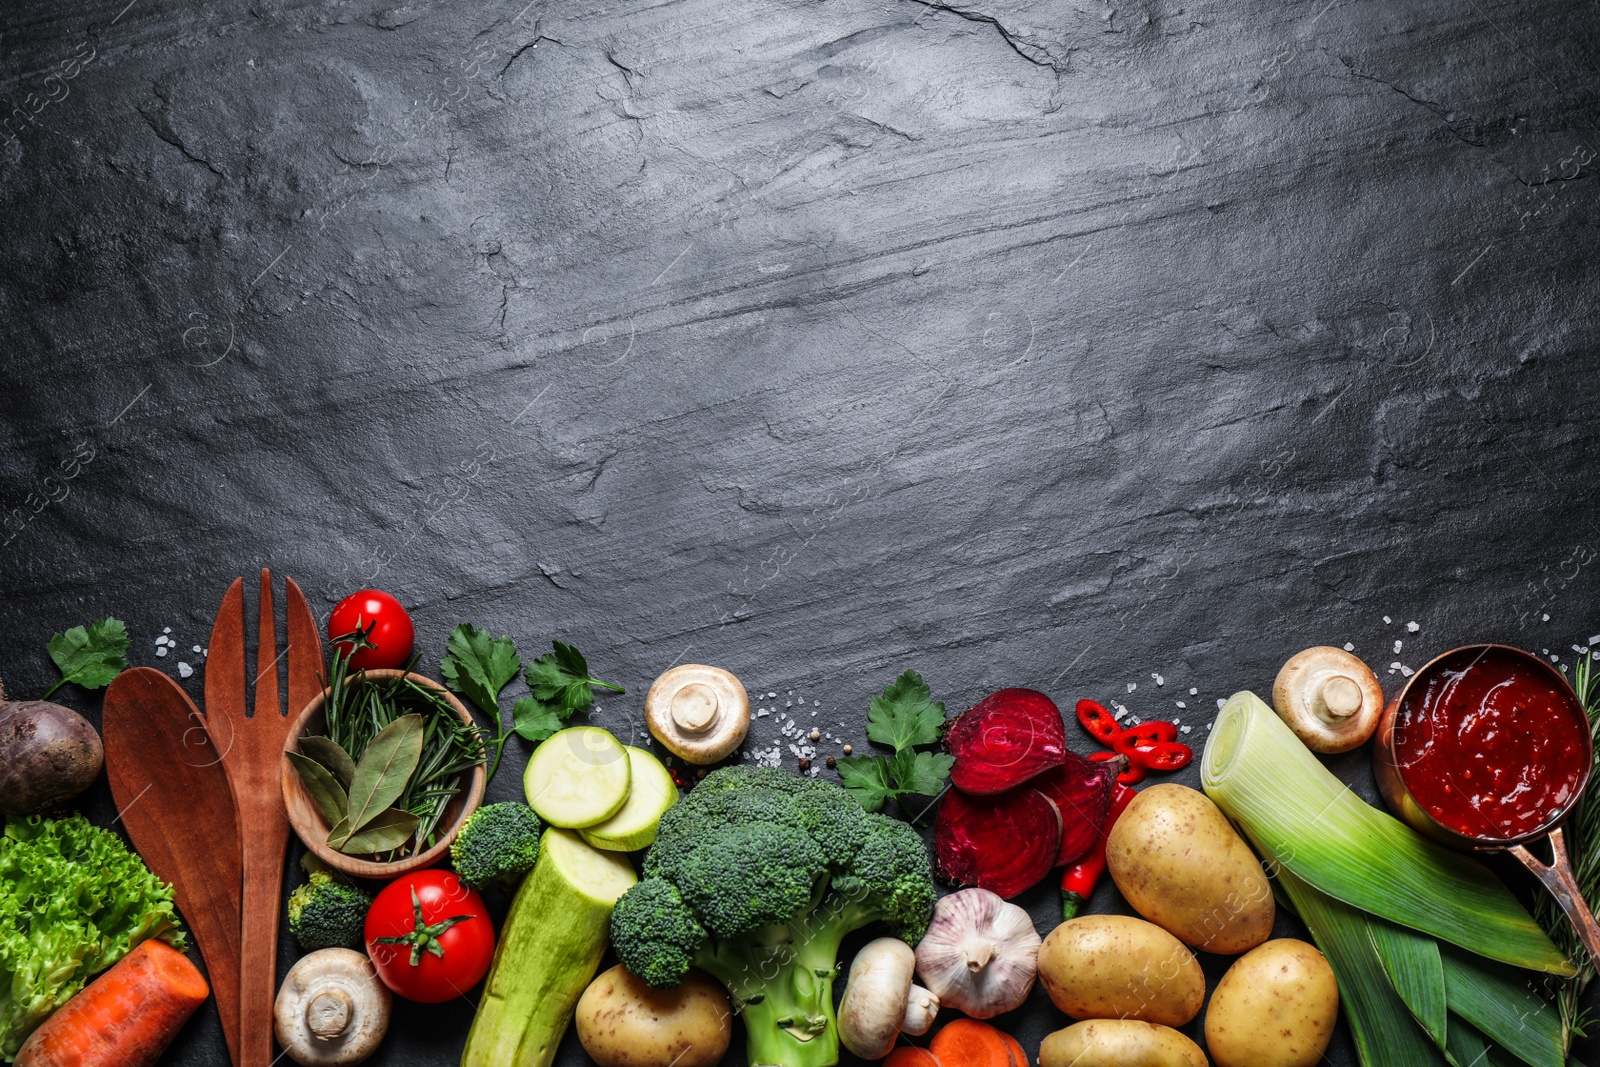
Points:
(1020, 342)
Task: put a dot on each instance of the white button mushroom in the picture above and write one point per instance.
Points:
(880, 1002)
(1329, 698)
(980, 954)
(331, 1011)
(699, 713)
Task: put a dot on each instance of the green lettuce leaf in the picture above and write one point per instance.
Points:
(73, 901)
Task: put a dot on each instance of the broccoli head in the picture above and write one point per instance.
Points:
(756, 877)
(498, 843)
(325, 913)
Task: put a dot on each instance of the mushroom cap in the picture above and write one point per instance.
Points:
(331, 1010)
(1329, 698)
(699, 713)
(873, 1007)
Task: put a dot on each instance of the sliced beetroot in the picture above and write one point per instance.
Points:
(1081, 791)
(1005, 739)
(1005, 844)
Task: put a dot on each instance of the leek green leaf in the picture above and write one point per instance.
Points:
(1411, 960)
(1266, 781)
(1467, 1047)
(1499, 1002)
(1384, 1031)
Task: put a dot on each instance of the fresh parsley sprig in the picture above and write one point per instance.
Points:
(90, 656)
(904, 716)
(479, 667)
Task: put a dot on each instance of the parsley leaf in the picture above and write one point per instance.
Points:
(905, 714)
(535, 720)
(903, 717)
(561, 686)
(867, 779)
(923, 773)
(90, 657)
(478, 667)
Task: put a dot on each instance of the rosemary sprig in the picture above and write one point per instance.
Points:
(1583, 840)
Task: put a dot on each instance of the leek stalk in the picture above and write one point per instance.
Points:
(1294, 809)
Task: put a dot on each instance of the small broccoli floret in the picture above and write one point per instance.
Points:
(324, 913)
(499, 843)
(757, 876)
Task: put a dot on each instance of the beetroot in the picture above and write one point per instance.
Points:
(1005, 844)
(1005, 739)
(1081, 791)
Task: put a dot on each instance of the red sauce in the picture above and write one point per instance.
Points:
(1491, 746)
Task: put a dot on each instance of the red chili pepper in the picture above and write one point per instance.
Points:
(1078, 883)
(1162, 756)
(1146, 733)
(1100, 723)
(1133, 774)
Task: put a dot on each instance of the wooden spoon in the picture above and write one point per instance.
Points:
(172, 796)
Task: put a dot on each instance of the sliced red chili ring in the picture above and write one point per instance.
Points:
(1146, 733)
(1161, 756)
(1100, 723)
(1132, 774)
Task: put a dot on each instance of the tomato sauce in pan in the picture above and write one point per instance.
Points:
(1489, 746)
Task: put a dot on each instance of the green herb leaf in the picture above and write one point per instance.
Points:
(389, 829)
(867, 779)
(534, 719)
(905, 714)
(324, 788)
(327, 752)
(561, 686)
(924, 773)
(479, 666)
(90, 657)
(387, 764)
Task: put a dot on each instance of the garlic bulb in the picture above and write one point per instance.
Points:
(980, 954)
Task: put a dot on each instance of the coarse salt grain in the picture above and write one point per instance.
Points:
(184, 670)
(1406, 672)
(1193, 691)
(1397, 645)
(1181, 704)
(162, 651)
(1159, 680)
(1386, 620)
(1132, 686)
(1412, 627)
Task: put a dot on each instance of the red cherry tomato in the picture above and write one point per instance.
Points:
(429, 937)
(386, 624)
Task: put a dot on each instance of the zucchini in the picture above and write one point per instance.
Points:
(578, 777)
(633, 827)
(550, 948)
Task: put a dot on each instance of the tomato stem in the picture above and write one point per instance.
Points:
(423, 937)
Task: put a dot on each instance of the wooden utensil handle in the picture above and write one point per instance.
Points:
(1558, 879)
(264, 848)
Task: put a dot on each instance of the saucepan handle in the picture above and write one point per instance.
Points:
(1558, 879)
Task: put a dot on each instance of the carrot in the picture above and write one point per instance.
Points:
(125, 1018)
(1018, 1054)
(969, 1043)
(911, 1056)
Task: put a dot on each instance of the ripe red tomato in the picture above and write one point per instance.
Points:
(383, 620)
(429, 937)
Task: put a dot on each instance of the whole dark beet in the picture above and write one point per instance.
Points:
(48, 755)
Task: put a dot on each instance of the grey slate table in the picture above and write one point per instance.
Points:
(1023, 343)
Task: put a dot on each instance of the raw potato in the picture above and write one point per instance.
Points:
(622, 1022)
(1119, 1043)
(1119, 967)
(1275, 1007)
(1180, 864)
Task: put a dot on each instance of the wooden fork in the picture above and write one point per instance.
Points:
(252, 749)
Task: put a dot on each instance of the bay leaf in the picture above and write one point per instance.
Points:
(389, 829)
(322, 786)
(340, 833)
(329, 753)
(385, 768)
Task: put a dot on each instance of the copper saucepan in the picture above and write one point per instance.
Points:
(1557, 876)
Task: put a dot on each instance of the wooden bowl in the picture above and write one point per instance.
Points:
(312, 828)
